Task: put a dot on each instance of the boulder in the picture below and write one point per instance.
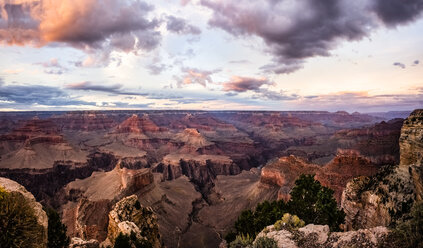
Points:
(80, 243)
(128, 216)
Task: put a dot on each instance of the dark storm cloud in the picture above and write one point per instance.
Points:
(115, 89)
(401, 65)
(243, 84)
(416, 62)
(180, 26)
(297, 30)
(25, 95)
(394, 12)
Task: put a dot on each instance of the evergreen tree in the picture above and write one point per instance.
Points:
(57, 237)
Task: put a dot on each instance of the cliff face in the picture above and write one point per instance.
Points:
(389, 195)
(129, 216)
(411, 140)
(411, 143)
(335, 175)
(89, 199)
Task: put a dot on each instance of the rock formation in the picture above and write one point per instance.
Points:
(389, 195)
(128, 217)
(319, 236)
(346, 165)
(80, 243)
(12, 186)
(135, 124)
(89, 199)
(85, 121)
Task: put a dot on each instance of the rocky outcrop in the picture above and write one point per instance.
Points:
(388, 196)
(80, 243)
(411, 140)
(378, 200)
(200, 168)
(89, 199)
(129, 217)
(378, 143)
(411, 146)
(138, 125)
(346, 165)
(12, 186)
(319, 236)
(44, 184)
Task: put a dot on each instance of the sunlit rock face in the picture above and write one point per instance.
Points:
(320, 236)
(87, 200)
(129, 216)
(411, 140)
(346, 165)
(388, 196)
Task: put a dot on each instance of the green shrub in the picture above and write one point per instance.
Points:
(409, 234)
(18, 223)
(310, 201)
(122, 241)
(57, 237)
(130, 241)
(241, 241)
(251, 223)
(314, 203)
(265, 242)
(289, 222)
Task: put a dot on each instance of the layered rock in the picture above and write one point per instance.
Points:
(379, 143)
(89, 199)
(85, 121)
(42, 219)
(346, 165)
(135, 124)
(389, 195)
(201, 168)
(36, 145)
(45, 183)
(319, 236)
(411, 146)
(128, 217)
(411, 140)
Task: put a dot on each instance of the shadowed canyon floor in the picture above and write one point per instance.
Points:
(197, 170)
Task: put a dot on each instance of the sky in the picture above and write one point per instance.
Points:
(362, 55)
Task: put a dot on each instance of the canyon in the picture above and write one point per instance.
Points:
(196, 170)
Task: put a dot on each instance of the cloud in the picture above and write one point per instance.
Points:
(243, 84)
(156, 69)
(401, 65)
(360, 101)
(297, 30)
(275, 95)
(25, 95)
(113, 89)
(195, 76)
(91, 25)
(180, 26)
(416, 62)
(53, 67)
(394, 12)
